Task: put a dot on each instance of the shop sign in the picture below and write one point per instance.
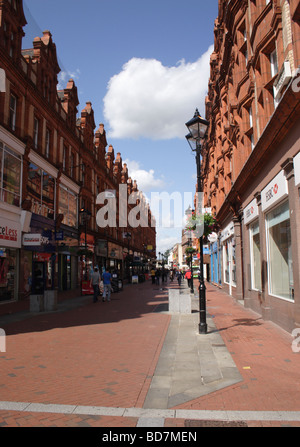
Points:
(42, 257)
(297, 169)
(10, 233)
(227, 232)
(251, 212)
(276, 190)
(35, 240)
(212, 237)
(59, 236)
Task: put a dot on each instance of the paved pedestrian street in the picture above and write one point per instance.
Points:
(101, 365)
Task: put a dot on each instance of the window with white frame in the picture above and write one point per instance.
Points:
(279, 252)
(274, 63)
(10, 175)
(229, 261)
(255, 256)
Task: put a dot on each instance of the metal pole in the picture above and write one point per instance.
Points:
(202, 288)
(191, 266)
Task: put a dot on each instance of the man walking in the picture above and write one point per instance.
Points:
(106, 278)
(95, 282)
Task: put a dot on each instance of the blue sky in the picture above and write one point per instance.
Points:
(144, 65)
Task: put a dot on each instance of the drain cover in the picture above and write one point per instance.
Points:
(196, 423)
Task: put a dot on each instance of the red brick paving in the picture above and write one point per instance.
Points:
(101, 354)
(263, 354)
(105, 354)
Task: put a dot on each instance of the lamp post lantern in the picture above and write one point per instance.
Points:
(197, 127)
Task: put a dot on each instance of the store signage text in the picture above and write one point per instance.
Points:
(35, 240)
(8, 234)
(274, 191)
(251, 212)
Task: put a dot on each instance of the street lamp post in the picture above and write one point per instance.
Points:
(85, 215)
(188, 213)
(197, 127)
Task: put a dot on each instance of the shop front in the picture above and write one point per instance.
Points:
(86, 255)
(10, 244)
(271, 250)
(67, 253)
(229, 258)
(38, 257)
(115, 258)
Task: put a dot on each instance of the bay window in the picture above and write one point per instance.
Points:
(41, 191)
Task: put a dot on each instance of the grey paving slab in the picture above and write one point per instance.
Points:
(190, 364)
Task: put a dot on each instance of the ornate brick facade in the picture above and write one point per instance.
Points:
(253, 108)
(64, 162)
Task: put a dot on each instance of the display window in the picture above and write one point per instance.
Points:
(255, 256)
(8, 274)
(279, 252)
(229, 262)
(41, 191)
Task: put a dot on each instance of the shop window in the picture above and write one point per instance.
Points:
(68, 206)
(255, 256)
(229, 262)
(41, 191)
(10, 172)
(280, 266)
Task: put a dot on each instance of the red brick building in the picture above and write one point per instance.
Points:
(52, 165)
(251, 160)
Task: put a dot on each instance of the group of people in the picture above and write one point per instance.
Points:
(158, 273)
(179, 275)
(96, 283)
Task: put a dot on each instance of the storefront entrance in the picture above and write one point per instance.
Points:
(8, 274)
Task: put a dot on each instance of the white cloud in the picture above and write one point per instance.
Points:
(64, 76)
(146, 180)
(147, 99)
(166, 241)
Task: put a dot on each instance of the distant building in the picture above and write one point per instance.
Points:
(251, 161)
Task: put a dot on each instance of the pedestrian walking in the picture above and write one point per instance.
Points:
(152, 273)
(179, 277)
(95, 283)
(188, 276)
(106, 278)
(157, 276)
